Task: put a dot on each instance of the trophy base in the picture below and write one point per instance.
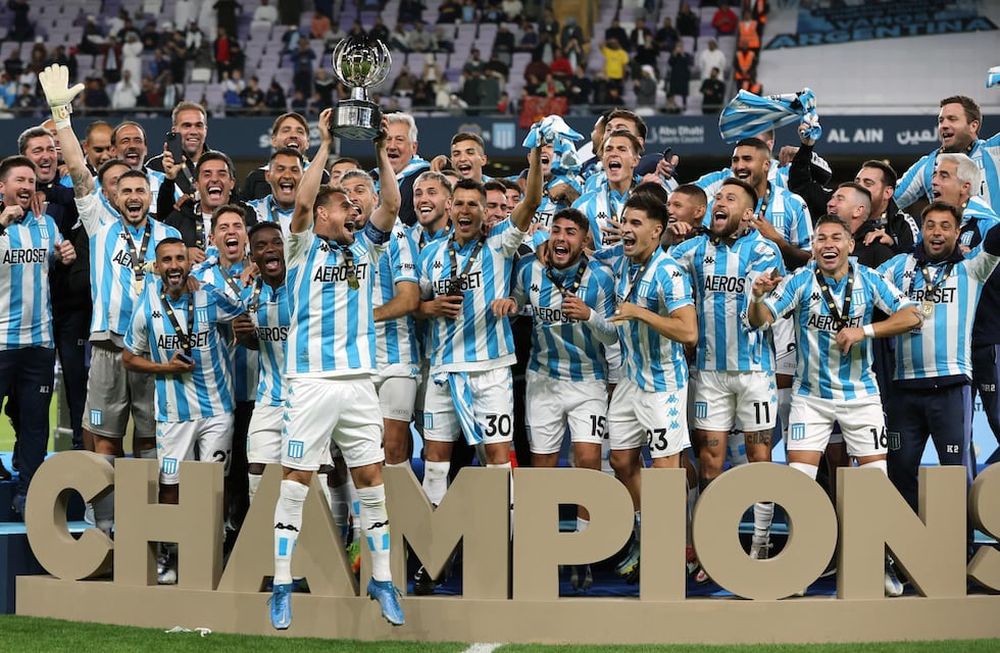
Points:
(356, 120)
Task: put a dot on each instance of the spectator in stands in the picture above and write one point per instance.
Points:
(126, 92)
(60, 56)
(529, 38)
(299, 102)
(618, 33)
(186, 12)
(423, 95)
(680, 64)
(233, 82)
(193, 37)
(442, 39)
(225, 15)
(357, 30)
(150, 36)
(172, 92)
(126, 30)
(504, 105)
(265, 14)
(411, 11)
(290, 11)
(504, 44)
(275, 99)
(333, 37)
(472, 90)
(449, 12)
(150, 96)
(561, 66)
(645, 90)
(549, 25)
(469, 12)
(237, 58)
(497, 66)
(93, 38)
(724, 20)
(492, 13)
(687, 21)
(320, 25)
(221, 48)
(399, 39)
(709, 58)
(302, 68)
(667, 36)
(404, 82)
(571, 31)
(579, 87)
(323, 84)
(432, 73)
(474, 63)
(112, 61)
(535, 72)
(22, 29)
(615, 61)
(512, 9)
(253, 97)
(420, 40)
(379, 30)
(95, 97)
(27, 100)
(749, 37)
(13, 65)
(644, 47)
(132, 57)
(713, 93)
(759, 9)
(550, 87)
(545, 50)
(8, 91)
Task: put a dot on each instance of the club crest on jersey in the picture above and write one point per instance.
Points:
(201, 315)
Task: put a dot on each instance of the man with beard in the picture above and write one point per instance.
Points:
(932, 394)
(832, 301)
(331, 345)
(567, 376)
(226, 272)
(215, 178)
(603, 206)
(959, 122)
(122, 239)
(686, 213)
(290, 131)
(734, 382)
(174, 337)
(655, 320)
(190, 126)
(283, 174)
(266, 330)
(29, 242)
(401, 145)
(650, 167)
(470, 349)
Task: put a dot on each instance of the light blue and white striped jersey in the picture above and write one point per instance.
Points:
(273, 321)
(786, 211)
(916, 182)
(651, 361)
(599, 179)
(27, 248)
(396, 350)
(711, 182)
(332, 332)
(208, 390)
(267, 210)
(721, 278)
(548, 206)
(822, 370)
(477, 339)
(112, 279)
(943, 345)
(243, 361)
(561, 347)
(600, 206)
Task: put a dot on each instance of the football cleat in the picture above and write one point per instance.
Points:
(354, 556)
(581, 578)
(760, 549)
(387, 596)
(893, 586)
(630, 562)
(281, 605)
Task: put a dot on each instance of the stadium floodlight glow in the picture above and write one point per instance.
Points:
(360, 63)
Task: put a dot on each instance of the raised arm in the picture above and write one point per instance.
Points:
(55, 84)
(525, 210)
(384, 216)
(305, 198)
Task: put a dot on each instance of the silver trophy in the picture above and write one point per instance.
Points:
(360, 63)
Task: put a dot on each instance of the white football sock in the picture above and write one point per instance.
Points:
(375, 525)
(287, 524)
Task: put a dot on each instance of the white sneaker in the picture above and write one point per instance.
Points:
(166, 566)
(760, 549)
(167, 577)
(893, 586)
(88, 514)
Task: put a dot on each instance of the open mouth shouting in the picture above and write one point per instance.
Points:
(232, 245)
(46, 167)
(133, 157)
(134, 210)
(464, 168)
(24, 198)
(615, 167)
(214, 193)
(628, 242)
(286, 187)
(560, 253)
(294, 142)
(272, 264)
(742, 174)
(829, 258)
(174, 278)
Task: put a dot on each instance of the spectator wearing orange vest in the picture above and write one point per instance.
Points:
(749, 37)
(759, 9)
(746, 64)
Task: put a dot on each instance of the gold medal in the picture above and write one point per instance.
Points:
(927, 307)
(352, 282)
(137, 286)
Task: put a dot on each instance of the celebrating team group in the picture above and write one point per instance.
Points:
(317, 314)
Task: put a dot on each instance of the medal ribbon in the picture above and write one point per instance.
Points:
(185, 336)
(840, 319)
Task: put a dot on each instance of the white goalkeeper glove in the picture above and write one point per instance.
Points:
(55, 84)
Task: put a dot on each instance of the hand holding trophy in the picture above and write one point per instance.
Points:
(360, 63)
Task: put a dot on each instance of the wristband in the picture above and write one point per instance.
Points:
(60, 115)
(754, 299)
(869, 330)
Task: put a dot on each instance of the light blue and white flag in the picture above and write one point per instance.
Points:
(993, 77)
(553, 129)
(748, 114)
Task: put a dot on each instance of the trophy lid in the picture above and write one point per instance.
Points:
(360, 61)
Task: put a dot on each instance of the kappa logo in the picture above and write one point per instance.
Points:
(400, 235)
(710, 259)
(676, 274)
(814, 297)
(437, 265)
(535, 288)
(908, 274)
(156, 315)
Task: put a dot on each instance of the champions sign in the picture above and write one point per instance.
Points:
(821, 25)
(510, 568)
